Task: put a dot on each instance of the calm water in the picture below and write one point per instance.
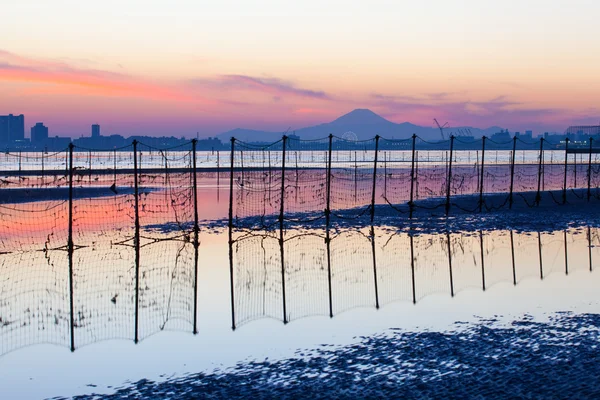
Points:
(367, 278)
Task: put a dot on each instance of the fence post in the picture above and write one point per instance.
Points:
(281, 210)
(231, 157)
(589, 237)
(374, 179)
(70, 248)
(512, 172)
(327, 222)
(540, 163)
(564, 192)
(136, 241)
(566, 255)
(450, 264)
(355, 177)
(385, 175)
(373, 191)
(481, 176)
(589, 177)
(412, 268)
(512, 252)
(196, 233)
(540, 255)
(482, 260)
(411, 205)
(449, 183)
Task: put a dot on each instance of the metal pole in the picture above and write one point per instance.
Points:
(540, 163)
(512, 252)
(385, 157)
(449, 183)
(70, 248)
(411, 205)
(589, 177)
(481, 177)
(412, 268)
(589, 235)
(355, 177)
(512, 173)
(281, 210)
(564, 193)
(374, 179)
(196, 233)
(231, 156)
(450, 264)
(566, 255)
(374, 189)
(482, 260)
(327, 222)
(540, 255)
(136, 241)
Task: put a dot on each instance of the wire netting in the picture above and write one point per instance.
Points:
(166, 217)
(34, 295)
(104, 255)
(394, 272)
(466, 260)
(306, 274)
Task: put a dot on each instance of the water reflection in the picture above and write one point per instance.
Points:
(306, 274)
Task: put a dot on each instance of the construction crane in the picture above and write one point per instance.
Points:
(441, 128)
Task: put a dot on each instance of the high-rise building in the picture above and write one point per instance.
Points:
(39, 133)
(12, 127)
(3, 128)
(95, 131)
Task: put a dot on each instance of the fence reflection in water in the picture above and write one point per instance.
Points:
(326, 279)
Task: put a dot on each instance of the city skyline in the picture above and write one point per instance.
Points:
(191, 67)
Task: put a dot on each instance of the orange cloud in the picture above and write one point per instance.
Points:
(15, 68)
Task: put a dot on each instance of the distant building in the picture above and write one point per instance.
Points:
(502, 136)
(95, 131)
(39, 133)
(12, 128)
(589, 130)
(529, 133)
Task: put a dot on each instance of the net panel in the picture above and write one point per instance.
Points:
(432, 271)
(553, 252)
(104, 258)
(497, 257)
(527, 255)
(577, 249)
(352, 172)
(305, 195)
(394, 274)
(167, 256)
(34, 294)
(257, 278)
(306, 275)
(466, 260)
(257, 185)
(352, 275)
(394, 174)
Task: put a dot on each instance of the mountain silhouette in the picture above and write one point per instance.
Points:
(364, 123)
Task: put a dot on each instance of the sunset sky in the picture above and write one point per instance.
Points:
(184, 66)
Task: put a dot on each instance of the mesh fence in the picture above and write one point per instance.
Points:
(375, 270)
(98, 244)
(341, 180)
